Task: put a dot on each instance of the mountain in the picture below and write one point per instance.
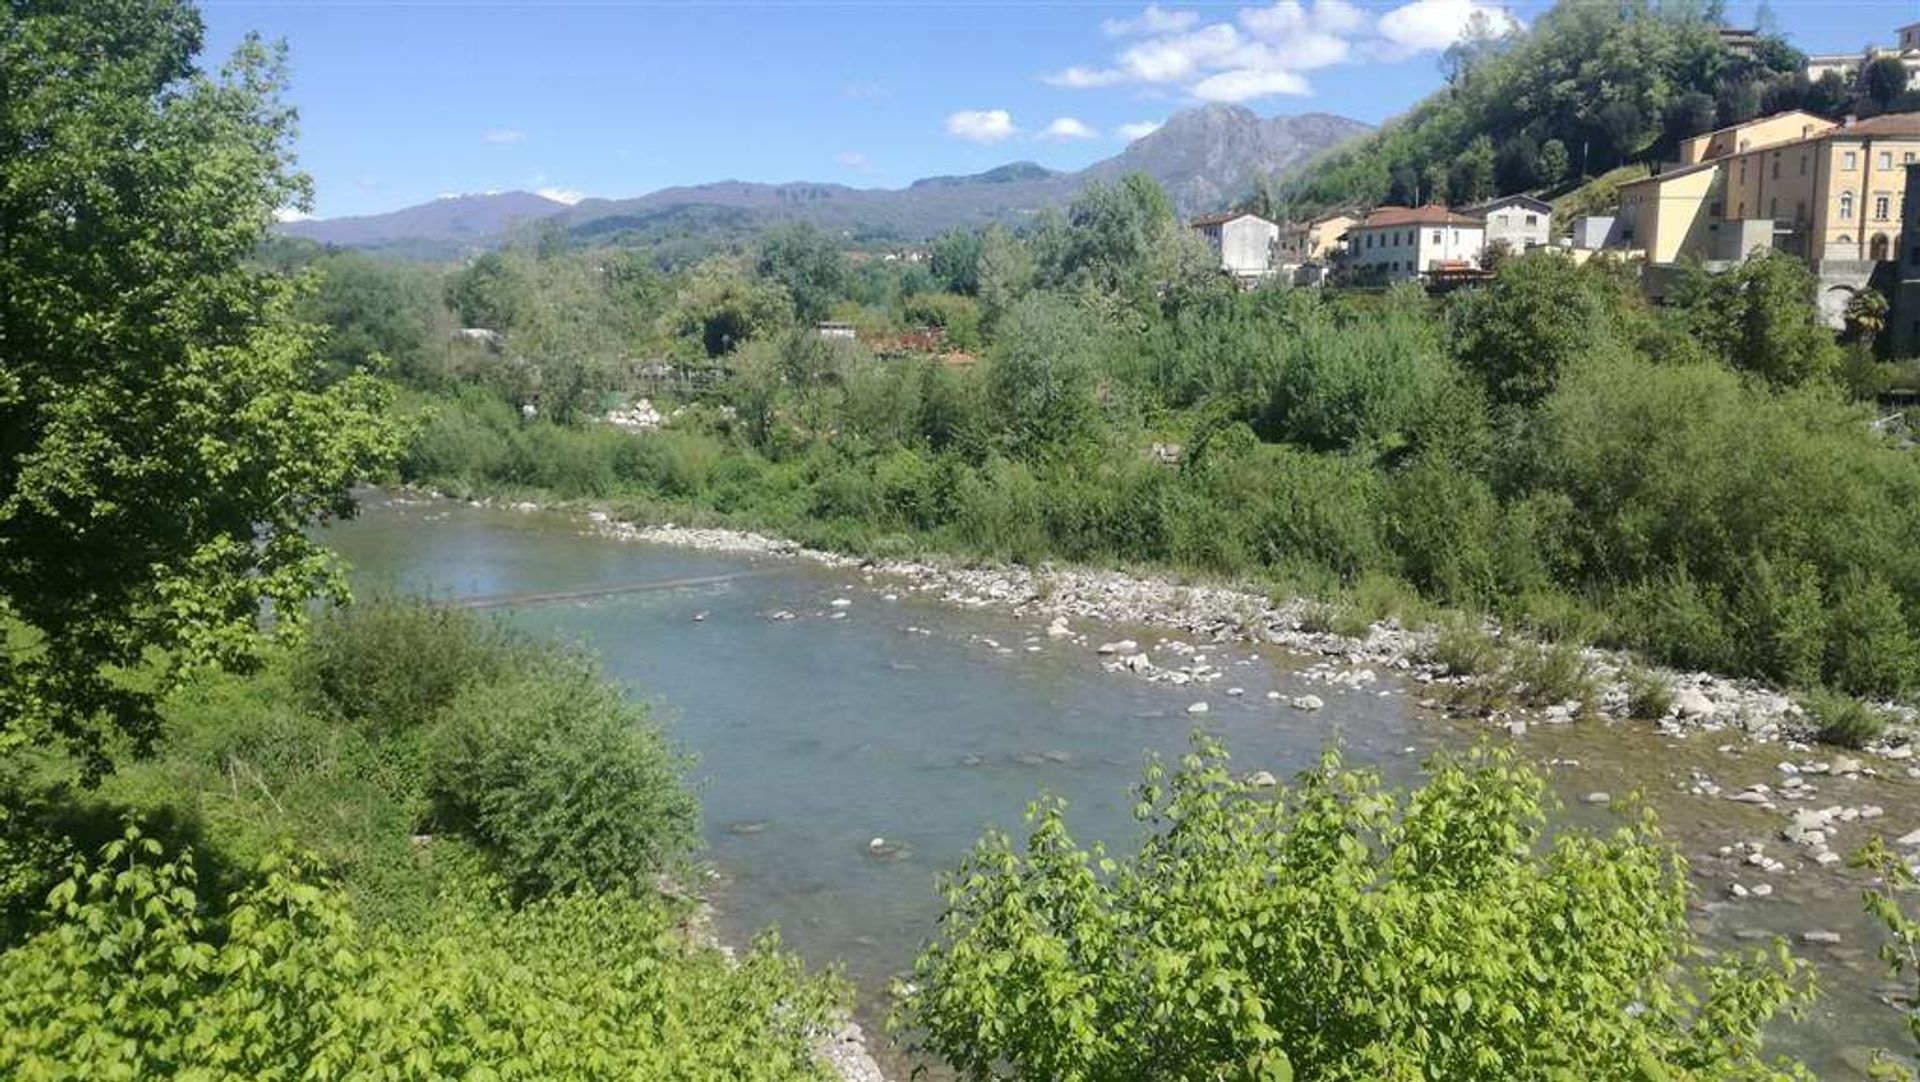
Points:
(1205, 158)
(455, 219)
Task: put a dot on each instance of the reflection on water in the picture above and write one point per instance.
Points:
(893, 721)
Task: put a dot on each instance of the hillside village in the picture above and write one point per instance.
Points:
(1841, 195)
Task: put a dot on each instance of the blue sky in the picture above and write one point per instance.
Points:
(403, 100)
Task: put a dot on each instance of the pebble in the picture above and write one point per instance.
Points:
(1819, 936)
(1308, 702)
(1598, 798)
(1197, 708)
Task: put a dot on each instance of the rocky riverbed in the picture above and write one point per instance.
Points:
(1222, 614)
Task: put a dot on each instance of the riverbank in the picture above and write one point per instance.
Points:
(874, 708)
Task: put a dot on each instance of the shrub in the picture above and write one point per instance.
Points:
(391, 666)
(1464, 648)
(1649, 697)
(1843, 719)
(1546, 675)
(1339, 930)
(560, 781)
(1870, 647)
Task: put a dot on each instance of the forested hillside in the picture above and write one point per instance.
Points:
(1591, 85)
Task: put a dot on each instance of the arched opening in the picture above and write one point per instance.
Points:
(1877, 248)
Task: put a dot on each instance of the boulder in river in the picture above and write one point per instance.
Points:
(1308, 702)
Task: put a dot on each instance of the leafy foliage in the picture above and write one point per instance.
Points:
(167, 437)
(1339, 930)
(129, 975)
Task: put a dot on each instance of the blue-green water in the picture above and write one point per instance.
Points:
(901, 720)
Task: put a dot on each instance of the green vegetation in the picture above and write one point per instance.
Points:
(1339, 929)
(167, 436)
(410, 846)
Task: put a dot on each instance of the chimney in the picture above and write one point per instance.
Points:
(1849, 120)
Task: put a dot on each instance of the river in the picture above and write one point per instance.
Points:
(924, 724)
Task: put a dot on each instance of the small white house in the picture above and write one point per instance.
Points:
(1521, 221)
(1244, 243)
(1396, 243)
(1592, 232)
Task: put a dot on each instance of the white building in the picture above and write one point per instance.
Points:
(1244, 243)
(1592, 232)
(1849, 65)
(1521, 221)
(1396, 243)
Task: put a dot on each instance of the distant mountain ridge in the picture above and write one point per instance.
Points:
(1205, 157)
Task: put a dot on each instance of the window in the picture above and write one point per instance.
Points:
(1533, 219)
(1907, 158)
(1776, 167)
(1846, 206)
(1743, 170)
(1886, 159)
(1803, 163)
(1800, 211)
(1773, 208)
(1743, 209)
(1369, 240)
(1880, 203)
(1436, 236)
(1849, 160)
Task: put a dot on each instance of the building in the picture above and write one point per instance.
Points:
(1849, 66)
(1521, 221)
(1244, 242)
(1741, 43)
(1904, 320)
(1317, 241)
(836, 330)
(1830, 195)
(1592, 232)
(1751, 134)
(1397, 243)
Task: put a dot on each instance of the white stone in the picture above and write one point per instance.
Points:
(1197, 708)
(1308, 702)
(1693, 703)
(840, 602)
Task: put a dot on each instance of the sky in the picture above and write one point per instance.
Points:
(402, 101)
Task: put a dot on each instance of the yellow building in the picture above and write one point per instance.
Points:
(1751, 135)
(1667, 216)
(1833, 194)
(1315, 241)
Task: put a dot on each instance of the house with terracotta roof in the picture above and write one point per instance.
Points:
(1397, 243)
(1243, 242)
(1849, 66)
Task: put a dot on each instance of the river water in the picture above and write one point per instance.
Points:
(924, 724)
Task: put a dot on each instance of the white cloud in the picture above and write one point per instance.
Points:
(1154, 20)
(1432, 25)
(1066, 127)
(1078, 78)
(1267, 50)
(1247, 84)
(852, 159)
(569, 196)
(1139, 129)
(981, 125)
(502, 136)
(291, 214)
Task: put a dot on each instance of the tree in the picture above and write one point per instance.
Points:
(490, 292)
(1760, 317)
(1040, 378)
(1866, 316)
(1517, 167)
(166, 439)
(372, 309)
(1540, 314)
(808, 265)
(1339, 929)
(1005, 271)
(956, 261)
(1830, 96)
(1554, 162)
(1472, 176)
(1884, 81)
(718, 308)
(1688, 115)
(1619, 125)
